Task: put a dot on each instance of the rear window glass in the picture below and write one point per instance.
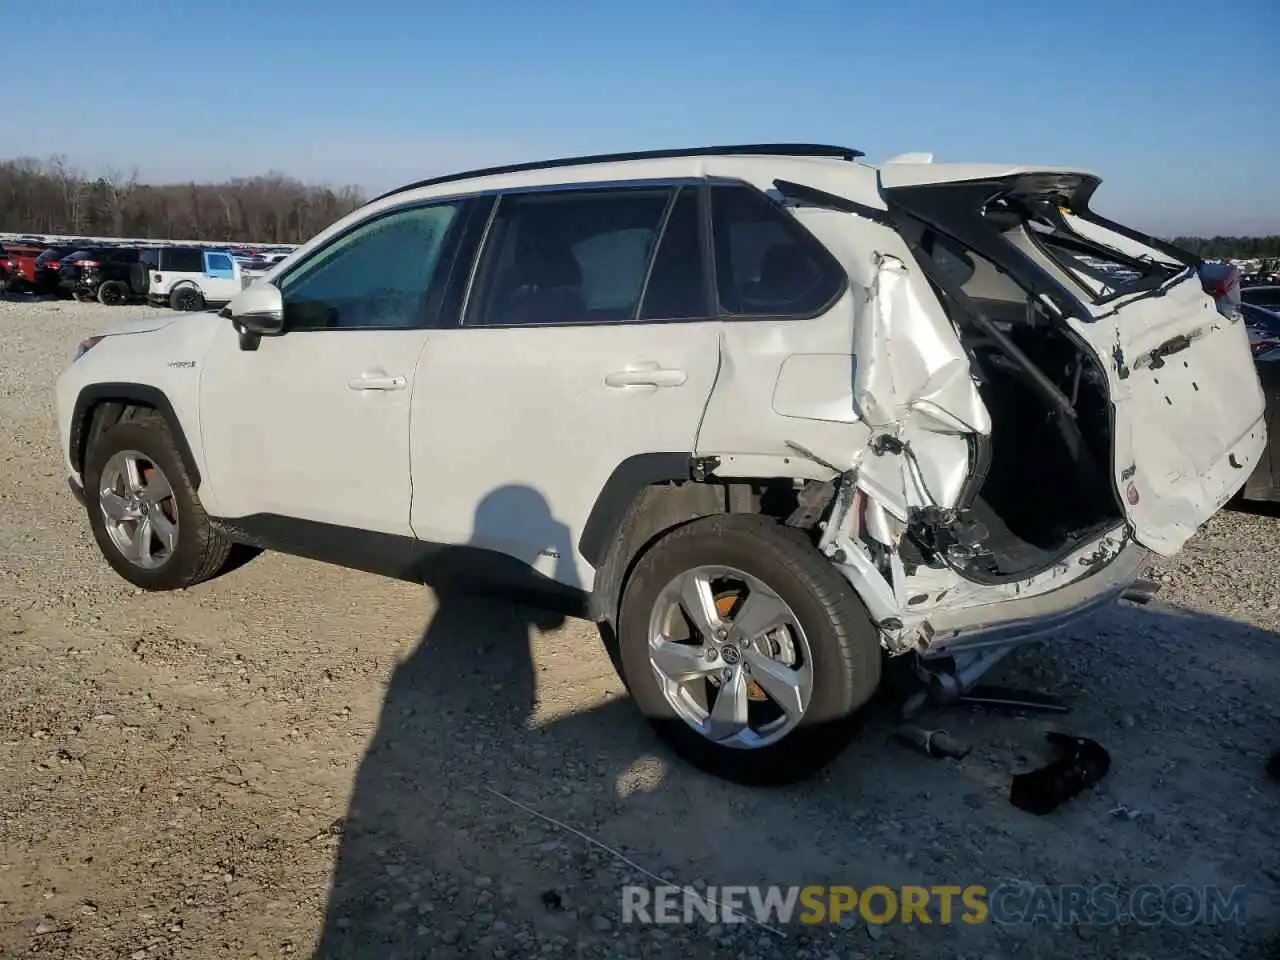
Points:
(1102, 264)
(182, 261)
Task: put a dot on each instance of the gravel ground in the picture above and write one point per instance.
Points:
(295, 756)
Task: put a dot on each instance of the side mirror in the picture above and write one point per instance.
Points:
(256, 312)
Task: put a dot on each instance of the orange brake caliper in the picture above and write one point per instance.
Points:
(724, 606)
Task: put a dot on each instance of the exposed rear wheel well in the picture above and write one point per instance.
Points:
(659, 508)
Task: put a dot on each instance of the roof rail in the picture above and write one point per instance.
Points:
(738, 149)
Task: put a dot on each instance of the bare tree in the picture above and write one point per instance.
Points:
(118, 186)
(71, 186)
(53, 196)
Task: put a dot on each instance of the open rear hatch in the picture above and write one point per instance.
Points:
(1185, 406)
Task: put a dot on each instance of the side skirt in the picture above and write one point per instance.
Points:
(438, 565)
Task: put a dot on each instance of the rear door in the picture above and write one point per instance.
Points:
(1188, 407)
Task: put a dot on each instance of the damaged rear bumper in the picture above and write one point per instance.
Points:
(1010, 623)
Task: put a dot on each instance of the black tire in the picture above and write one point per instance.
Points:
(113, 293)
(186, 297)
(201, 551)
(842, 638)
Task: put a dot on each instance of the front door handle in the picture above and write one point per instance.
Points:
(646, 374)
(377, 381)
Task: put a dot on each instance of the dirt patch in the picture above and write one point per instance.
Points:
(297, 756)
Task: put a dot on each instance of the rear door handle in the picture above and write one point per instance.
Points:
(376, 381)
(646, 374)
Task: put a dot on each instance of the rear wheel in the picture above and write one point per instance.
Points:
(746, 650)
(144, 511)
(186, 298)
(113, 293)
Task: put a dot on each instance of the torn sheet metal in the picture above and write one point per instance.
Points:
(913, 387)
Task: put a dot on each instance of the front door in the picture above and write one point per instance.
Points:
(221, 280)
(314, 424)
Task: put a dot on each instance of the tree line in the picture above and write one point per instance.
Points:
(1232, 248)
(54, 196)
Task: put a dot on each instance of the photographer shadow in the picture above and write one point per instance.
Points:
(450, 713)
(498, 766)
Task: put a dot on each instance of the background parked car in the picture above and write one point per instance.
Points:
(1264, 340)
(1262, 296)
(112, 275)
(20, 266)
(188, 278)
(48, 269)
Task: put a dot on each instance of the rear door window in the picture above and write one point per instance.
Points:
(767, 264)
(182, 260)
(678, 281)
(567, 257)
(219, 262)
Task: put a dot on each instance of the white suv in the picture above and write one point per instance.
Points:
(762, 412)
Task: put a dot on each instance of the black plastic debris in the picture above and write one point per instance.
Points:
(1078, 763)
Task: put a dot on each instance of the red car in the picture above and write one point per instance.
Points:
(19, 264)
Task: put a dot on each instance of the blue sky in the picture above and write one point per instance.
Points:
(1176, 104)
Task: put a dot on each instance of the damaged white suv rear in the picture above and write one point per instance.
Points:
(766, 413)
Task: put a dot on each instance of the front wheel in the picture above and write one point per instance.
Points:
(144, 510)
(746, 650)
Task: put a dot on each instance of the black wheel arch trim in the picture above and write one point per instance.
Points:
(628, 479)
(96, 393)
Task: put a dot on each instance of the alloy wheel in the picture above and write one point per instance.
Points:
(138, 509)
(730, 656)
